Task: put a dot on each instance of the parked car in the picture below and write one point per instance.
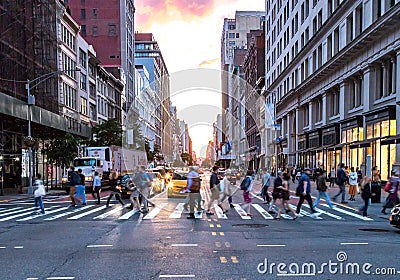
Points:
(177, 184)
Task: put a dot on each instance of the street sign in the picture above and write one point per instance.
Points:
(278, 140)
(277, 126)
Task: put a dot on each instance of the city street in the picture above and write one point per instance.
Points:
(92, 242)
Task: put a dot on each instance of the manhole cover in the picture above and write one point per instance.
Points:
(250, 225)
(374, 229)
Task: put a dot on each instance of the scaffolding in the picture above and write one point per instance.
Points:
(28, 49)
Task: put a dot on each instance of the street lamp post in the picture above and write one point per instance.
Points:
(30, 84)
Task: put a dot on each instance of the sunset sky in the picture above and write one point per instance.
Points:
(189, 35)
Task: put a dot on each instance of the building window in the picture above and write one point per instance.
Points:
(83, 30)
(356, 90)
(68, 38)
(231, 35)
(69, 66)
(112, 30)
(92, 70)
(231, 43)
(82, 58)
(95, 30)
(232, 26)
(237, 35)
(94, 13)
(83, 13)
(335, 103)
(83, 1)
(82, 83)
(70, 96)
(83, 106)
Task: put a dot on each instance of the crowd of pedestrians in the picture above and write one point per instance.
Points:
(221, 190)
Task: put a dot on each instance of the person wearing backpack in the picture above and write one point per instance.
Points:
(246, 186)
(193, 188)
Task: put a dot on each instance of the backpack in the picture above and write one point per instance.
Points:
(243, 186)
(75, 179)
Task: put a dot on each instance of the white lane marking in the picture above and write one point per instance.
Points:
(98, 246)
(263, 212)
(18, 247)
(60, 278)
(304, 213)
(46, 213)
(8, 210)
(177, 276)
(354, 243)
(241, 212)
(198, 214)
(348, 213)
(126, 216)
(271, 245)
(20, 215)
(19, 211)
(177, 212)
(102, 216)
(76, 217)
(219, 212)
(324, 212)
(68, 213)
(32, 278)
(155, 211)
(184, 245)
(2, 247)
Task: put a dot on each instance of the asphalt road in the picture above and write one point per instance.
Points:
(107, 247)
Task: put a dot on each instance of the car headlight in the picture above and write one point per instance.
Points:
(88, 178)
(64, 179)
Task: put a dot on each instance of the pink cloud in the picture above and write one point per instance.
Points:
(161, 11)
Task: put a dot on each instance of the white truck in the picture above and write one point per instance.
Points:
(106, 160)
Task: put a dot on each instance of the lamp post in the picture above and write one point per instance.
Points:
(29, 141)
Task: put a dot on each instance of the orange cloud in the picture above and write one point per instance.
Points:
(209, 62)
(161, 11)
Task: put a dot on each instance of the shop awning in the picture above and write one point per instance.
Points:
(391, 140)
(362, 144)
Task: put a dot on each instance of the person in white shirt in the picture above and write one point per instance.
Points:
(96, 186)
(353, 184)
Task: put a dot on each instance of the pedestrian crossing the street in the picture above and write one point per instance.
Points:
(170, 210)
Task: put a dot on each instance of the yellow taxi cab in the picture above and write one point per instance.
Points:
(177, 184)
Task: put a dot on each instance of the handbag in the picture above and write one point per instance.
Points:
(388, 187)
(40, 191)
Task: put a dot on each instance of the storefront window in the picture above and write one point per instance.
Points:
(385, 128)
(361, 134)
(392, 127)
(392, 159)
(370, 130)
(377, 130)
(344, 136)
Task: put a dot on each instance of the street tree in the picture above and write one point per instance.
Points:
(61, 151)
(106, 134)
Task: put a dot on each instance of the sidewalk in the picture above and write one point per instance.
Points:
(374, 208)
(11, 194)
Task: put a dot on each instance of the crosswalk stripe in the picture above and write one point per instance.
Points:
(8, 210)
(305, 213)
(263, 212)
(177, 212)
(349, 213)
(18, 211)
(68, 213)
(155, 211)
(76, 217)
(198, 214)
(20, 215)
(126, 216)
(219, 212)
(102, 216)
(46, 213)
(241, 212)
(326, 213)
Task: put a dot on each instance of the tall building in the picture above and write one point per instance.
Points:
(109, 27)
(234, 37)
(148, 54)
(334, 69)
(34, 43)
